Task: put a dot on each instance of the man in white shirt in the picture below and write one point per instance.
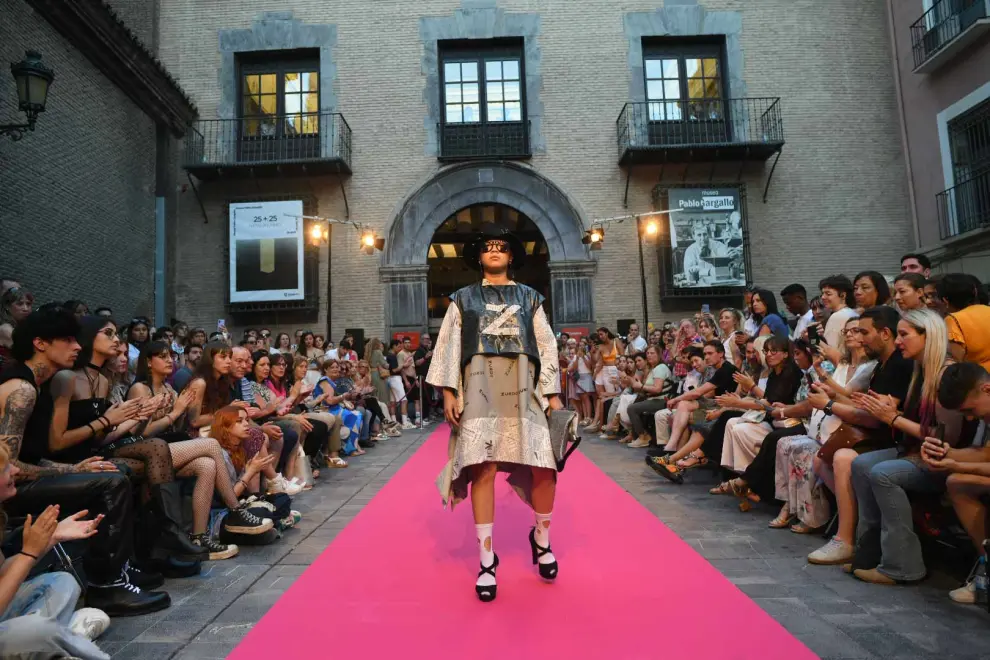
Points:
(836, 290)
(635, 342)
(695, 267)
(795, 298)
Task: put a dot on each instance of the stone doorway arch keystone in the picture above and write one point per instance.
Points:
(410, 231)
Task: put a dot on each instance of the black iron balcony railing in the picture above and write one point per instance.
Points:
(938, 26)
(313, 138)
(503, 139)
(753, 125)
(965, 206)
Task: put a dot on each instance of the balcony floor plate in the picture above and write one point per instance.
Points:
(247, 170)
(699, 153)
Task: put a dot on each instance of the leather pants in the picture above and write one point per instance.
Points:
(108, 493)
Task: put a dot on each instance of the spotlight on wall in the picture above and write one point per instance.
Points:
(370, 242)
(315, 234)
(652, 227)
(594, 237)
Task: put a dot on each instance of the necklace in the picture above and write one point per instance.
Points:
(94, 384)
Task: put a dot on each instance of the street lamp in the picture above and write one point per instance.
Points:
(33, 80)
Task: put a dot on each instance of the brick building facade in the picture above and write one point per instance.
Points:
(809, 84)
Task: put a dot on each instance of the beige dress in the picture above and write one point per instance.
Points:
(503, 402)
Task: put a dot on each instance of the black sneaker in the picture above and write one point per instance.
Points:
(143, 579)
(242, 521)
(122, 598)
(216, 549)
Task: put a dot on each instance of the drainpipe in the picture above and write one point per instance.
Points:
(905, 141)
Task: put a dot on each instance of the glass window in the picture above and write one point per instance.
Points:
(663, 89)
(483, 90)
(284, 101)
(502, 90)
(461, 92)
(686, 84)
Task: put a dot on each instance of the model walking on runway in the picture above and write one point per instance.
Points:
(496, 360)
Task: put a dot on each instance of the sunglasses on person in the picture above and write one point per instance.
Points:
(496, 246)
(771, 351)
(265, 335)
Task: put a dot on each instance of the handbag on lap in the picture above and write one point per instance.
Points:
(846, 436)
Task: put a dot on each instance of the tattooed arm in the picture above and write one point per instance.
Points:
(17, 399)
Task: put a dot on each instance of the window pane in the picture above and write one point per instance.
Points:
(696, 88)
(268, 83)
(452, 72)
(251, 106)
(656, 111)
(293, 83)
(293, 124)
(453, 93)
(252, 84)
(472, 112)
(671, 89)
(293, 104)
(692, 68)
(513, 111)
(712, 88)
(672, 111)
(470, 91)
(494, 91)
(496, 112)
(510, 70)
(311, 81)
(269, 104)
(654, 89)
(493, 70)
(710, 67)
(511, 90)
(454, 114)
(671, 68)
(469, 71)
(311, 124)
(654, 69)
(311, 102)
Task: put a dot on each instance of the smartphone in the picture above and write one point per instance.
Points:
(938, 432)
(813, 335)
(810, 379)
(706, 309)
(221, 326)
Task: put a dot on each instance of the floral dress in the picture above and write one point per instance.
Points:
(351, 420)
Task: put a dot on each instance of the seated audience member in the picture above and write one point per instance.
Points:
(635, 380)
(76, 307)
(687, 335)
(84, 423)
(364, 381)
(37, 615)
(965, 388)
(307, 347)
(346, 382)
(657, 388)
(916, 263)
(15, 305)
(708, 328)
(138, 334)
(45, 342)
(837, 293)
(730, 323)
(626, 367)
(967, 321)
(795, 299)
(200, 458)
(193, 354)
(870, 289)
(795, 483)
(887, 549)
(282, 344)
(246, 461)
(338, 399)
(764, 312)
(197, 337)
(909, 291)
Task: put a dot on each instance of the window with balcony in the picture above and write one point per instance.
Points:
(966, 206)
(280, 109)
(482, 91)
(685, 93)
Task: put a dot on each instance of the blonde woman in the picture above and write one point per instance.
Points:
(888, 550)
(730, 323)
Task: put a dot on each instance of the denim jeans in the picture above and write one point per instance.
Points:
(885, 537)
(36, 623)
(366, 424)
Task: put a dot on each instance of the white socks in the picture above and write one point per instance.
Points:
(542, 536)
(487, 554)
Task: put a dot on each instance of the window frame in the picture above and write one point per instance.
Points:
(481, 52)
(682, 50)
(267, 63)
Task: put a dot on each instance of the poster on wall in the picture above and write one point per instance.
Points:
(266, 251)
(706, 237)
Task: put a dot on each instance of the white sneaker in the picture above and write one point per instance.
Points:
(833, 552)
(280, 485)
(408, 425)
(639, 443)
(89, 622)
(965, 594)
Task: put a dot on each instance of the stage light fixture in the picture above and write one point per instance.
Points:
(652, 227)
(594, 237)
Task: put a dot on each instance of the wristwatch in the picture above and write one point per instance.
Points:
(828, 407)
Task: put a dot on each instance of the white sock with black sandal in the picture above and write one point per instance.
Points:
(486, 553)
(542, 537)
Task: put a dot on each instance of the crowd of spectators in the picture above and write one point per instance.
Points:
(852, 412)
(131, 454)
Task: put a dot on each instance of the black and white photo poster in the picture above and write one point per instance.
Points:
(706, 237)
(266, 251)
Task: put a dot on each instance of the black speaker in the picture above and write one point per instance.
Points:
(358, 334)
(622, 328)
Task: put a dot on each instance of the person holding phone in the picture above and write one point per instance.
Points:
(965, 388)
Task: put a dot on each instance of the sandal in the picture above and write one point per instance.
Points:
(336, 462)
(782, 520)
(801, 528)
(692, 460)
(735, 486)
(663, 467)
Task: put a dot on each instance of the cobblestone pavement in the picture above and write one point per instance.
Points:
(834, 614)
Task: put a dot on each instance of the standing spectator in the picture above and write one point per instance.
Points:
(634, 341)
(281, 344)
(967, 321)
(837, 291)
(76, 307)
(423, 357)
(916, 263)
(407, 360)
(909, 291)
(138, 335)
(396, 385)
(870, 289)
(182, 377)
(105, 312)
(795, 299)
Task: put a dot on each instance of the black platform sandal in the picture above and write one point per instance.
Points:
(547, 571)
(487, 594)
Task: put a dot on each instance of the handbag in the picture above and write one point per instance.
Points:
(846, 436)
(564, 438)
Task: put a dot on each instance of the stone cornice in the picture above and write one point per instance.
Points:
(404, 273)
(94, 29)
(573, 268)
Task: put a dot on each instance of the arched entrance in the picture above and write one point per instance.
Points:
(410, 238)
(448, 272)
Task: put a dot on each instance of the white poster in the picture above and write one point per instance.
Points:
(706, 237)
(266, 251)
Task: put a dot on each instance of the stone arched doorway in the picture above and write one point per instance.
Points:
(410, 234)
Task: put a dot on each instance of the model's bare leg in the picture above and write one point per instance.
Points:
(483, 507)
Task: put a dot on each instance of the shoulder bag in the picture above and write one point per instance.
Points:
(846, 436)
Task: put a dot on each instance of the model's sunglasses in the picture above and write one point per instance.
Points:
(496, 246)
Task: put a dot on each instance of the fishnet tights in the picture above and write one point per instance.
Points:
(203, 459)
(148, 459)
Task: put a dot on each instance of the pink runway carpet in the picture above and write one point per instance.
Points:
(398, 582)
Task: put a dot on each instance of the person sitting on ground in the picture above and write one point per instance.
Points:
(44, 342)
(870, 289)
(37, 615)
(967, 321)
(245, 461)
(965, 388)
(888, 550)
(909, 291)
